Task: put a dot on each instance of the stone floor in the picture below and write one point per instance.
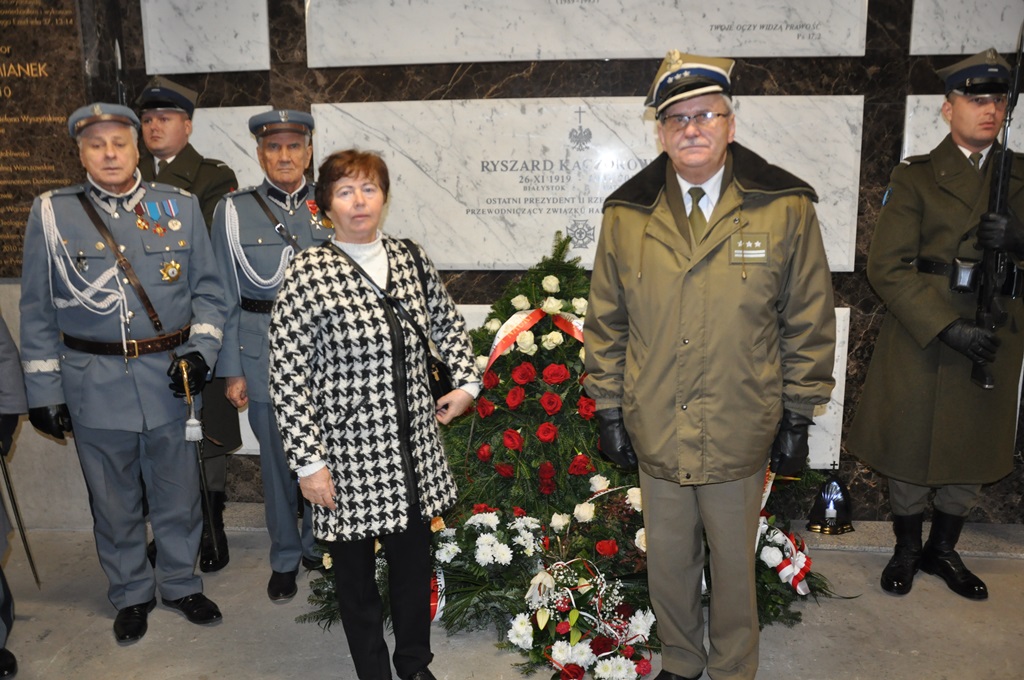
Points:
(64, 629)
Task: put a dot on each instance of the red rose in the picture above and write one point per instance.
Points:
(586, 407)
(643, 667)
(555, 374)
(546, 470)
(607, 548)
(628, 651)
(625, 610)
(518, 511)
(563, 628)
(551, 403)
(483, 507)
(524, 373)
(490, 380)
(483, 454)
(515, 397)
(571, 671)
(512, 440)
(547, 487)
(505, 470)
(581, 465)
(602, 645)
(546, 432)
(484, 407)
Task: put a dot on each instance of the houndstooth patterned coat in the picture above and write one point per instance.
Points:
(340, 397)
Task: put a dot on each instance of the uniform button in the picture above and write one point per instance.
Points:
(259, 240)
(684, 407)
(124, 280)
(687, 476)
(686, 341)
(131, 315)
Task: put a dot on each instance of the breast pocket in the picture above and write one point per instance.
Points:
(90, 258)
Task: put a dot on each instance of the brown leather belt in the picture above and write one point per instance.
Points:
(135, 348)
(258, 306)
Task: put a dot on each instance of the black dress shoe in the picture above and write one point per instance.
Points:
(197, 608)
(898, 575)
(282, 585)
(313, 563)
(665, 675)
(8, 664)
(422, 674)
(130, 623)
(950, 568)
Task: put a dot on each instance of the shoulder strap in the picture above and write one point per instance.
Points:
(279, 227)
(122, 261)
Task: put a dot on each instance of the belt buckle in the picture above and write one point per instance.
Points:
(131, 349)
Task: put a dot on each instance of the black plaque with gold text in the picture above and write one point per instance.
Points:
(41, 82)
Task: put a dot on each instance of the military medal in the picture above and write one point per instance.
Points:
(174, 225)
(140, 221)
(159, 230)
(314, 220)
(170, 207)
(81, 263)
(170, 271)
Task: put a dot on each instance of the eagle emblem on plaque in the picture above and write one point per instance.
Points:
(580, 138)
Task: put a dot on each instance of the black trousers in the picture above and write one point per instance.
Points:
(362, 615)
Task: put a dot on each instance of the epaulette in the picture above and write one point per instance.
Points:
(168, 187)
(244, 190)
(214, 162)
(910, 160)
(64, 191)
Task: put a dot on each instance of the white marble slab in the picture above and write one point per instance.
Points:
(965, 26)
(485, 184)
(827, 431)
(223, 133)
(924, 128)
(369, 32)
(181, 36)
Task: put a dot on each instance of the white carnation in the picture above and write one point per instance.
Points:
(771, 556)
(550, 284)
(502, 554)
(521, 302)
(640, 624)
(485, 519)
(582, 655)
(520, 633)
(635, 499)
(584, 512)
(614, 668)
(579, 305)
(598, 483)
(561, 653)
(447, 552)
(559, 521)
(552, 305)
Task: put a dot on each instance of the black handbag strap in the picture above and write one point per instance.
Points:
(122, 261)
(279, 227)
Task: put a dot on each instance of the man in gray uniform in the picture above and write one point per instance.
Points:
(166, 110)
(256, 232)
(119, 291)
(12, 404)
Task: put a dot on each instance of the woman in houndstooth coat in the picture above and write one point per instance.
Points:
(349, 383)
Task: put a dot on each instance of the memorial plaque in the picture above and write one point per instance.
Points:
(181, 36)
(368, 32)
(965, 26)
(924, 128)
(40, 84)
(485, 184)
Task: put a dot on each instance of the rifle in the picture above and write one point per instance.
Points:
(994, 263)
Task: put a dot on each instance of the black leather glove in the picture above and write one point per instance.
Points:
(8, 424)
(614, 439)
(53, 420)
(789, 450)
(196, 369)
(1002, 233)
(974, 342)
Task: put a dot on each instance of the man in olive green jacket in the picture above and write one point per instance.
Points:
(710, 339)
(921, 422)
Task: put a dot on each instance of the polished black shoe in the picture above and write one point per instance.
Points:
(422, 674)
(197, 608)
(130, 623)
(282, 585)
(8, 664)
(313, 563)
(940, 558)
(665, 675)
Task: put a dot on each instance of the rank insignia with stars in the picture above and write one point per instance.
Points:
(749, 247)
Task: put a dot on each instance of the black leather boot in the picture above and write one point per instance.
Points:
(940, 558)
(209, 560)
(898, 575)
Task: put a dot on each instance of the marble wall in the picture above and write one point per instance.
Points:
(884, 76)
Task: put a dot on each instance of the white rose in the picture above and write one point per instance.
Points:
(584, 512)
(550, 284)
(551, 340)
(552, 305)
(524, 340)
(771, 556)
(481, 362)
(520, 302)
(579, 305)
(598, 483)
(634, 499)
(641, 539)
(583, 354)
(559, 521)
(529, 351)
(493, 325)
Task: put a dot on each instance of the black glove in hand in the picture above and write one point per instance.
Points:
(614, 439)
(53, 420)
(974, 342)
(196, 368)
(789, 450)
(1001, 232)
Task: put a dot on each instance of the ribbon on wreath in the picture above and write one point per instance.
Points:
(794, 567)
(524, 320)
(436, 595)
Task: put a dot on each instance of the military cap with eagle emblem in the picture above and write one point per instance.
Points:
(161, 93)
(983, 73)
(281, 120)
(683, 76)
(100, 112)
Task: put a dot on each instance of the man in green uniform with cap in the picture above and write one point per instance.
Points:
(922, 422)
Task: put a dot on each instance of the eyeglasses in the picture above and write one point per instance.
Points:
(702, 120)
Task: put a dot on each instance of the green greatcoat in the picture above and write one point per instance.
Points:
(921, 419)
(207, 178)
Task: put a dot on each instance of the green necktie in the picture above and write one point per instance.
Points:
(161, 166)
(975, 161)
(696, 217)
